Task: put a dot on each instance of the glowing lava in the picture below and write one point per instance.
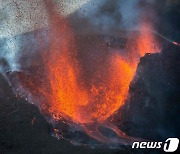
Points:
(68, 96)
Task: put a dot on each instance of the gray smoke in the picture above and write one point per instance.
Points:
(9, 51)
(103, 15)
(114, 14)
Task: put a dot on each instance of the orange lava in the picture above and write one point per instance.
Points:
(146, 40)
(69, 97)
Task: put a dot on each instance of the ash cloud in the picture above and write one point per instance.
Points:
(115, 14)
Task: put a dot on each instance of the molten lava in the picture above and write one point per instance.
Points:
(146, 40)
(69, 97)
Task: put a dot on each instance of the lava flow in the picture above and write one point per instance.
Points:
(68, 95)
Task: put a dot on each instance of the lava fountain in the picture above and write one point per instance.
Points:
(66, 92)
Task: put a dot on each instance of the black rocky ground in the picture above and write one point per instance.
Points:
(152, 109)
(24, 130)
